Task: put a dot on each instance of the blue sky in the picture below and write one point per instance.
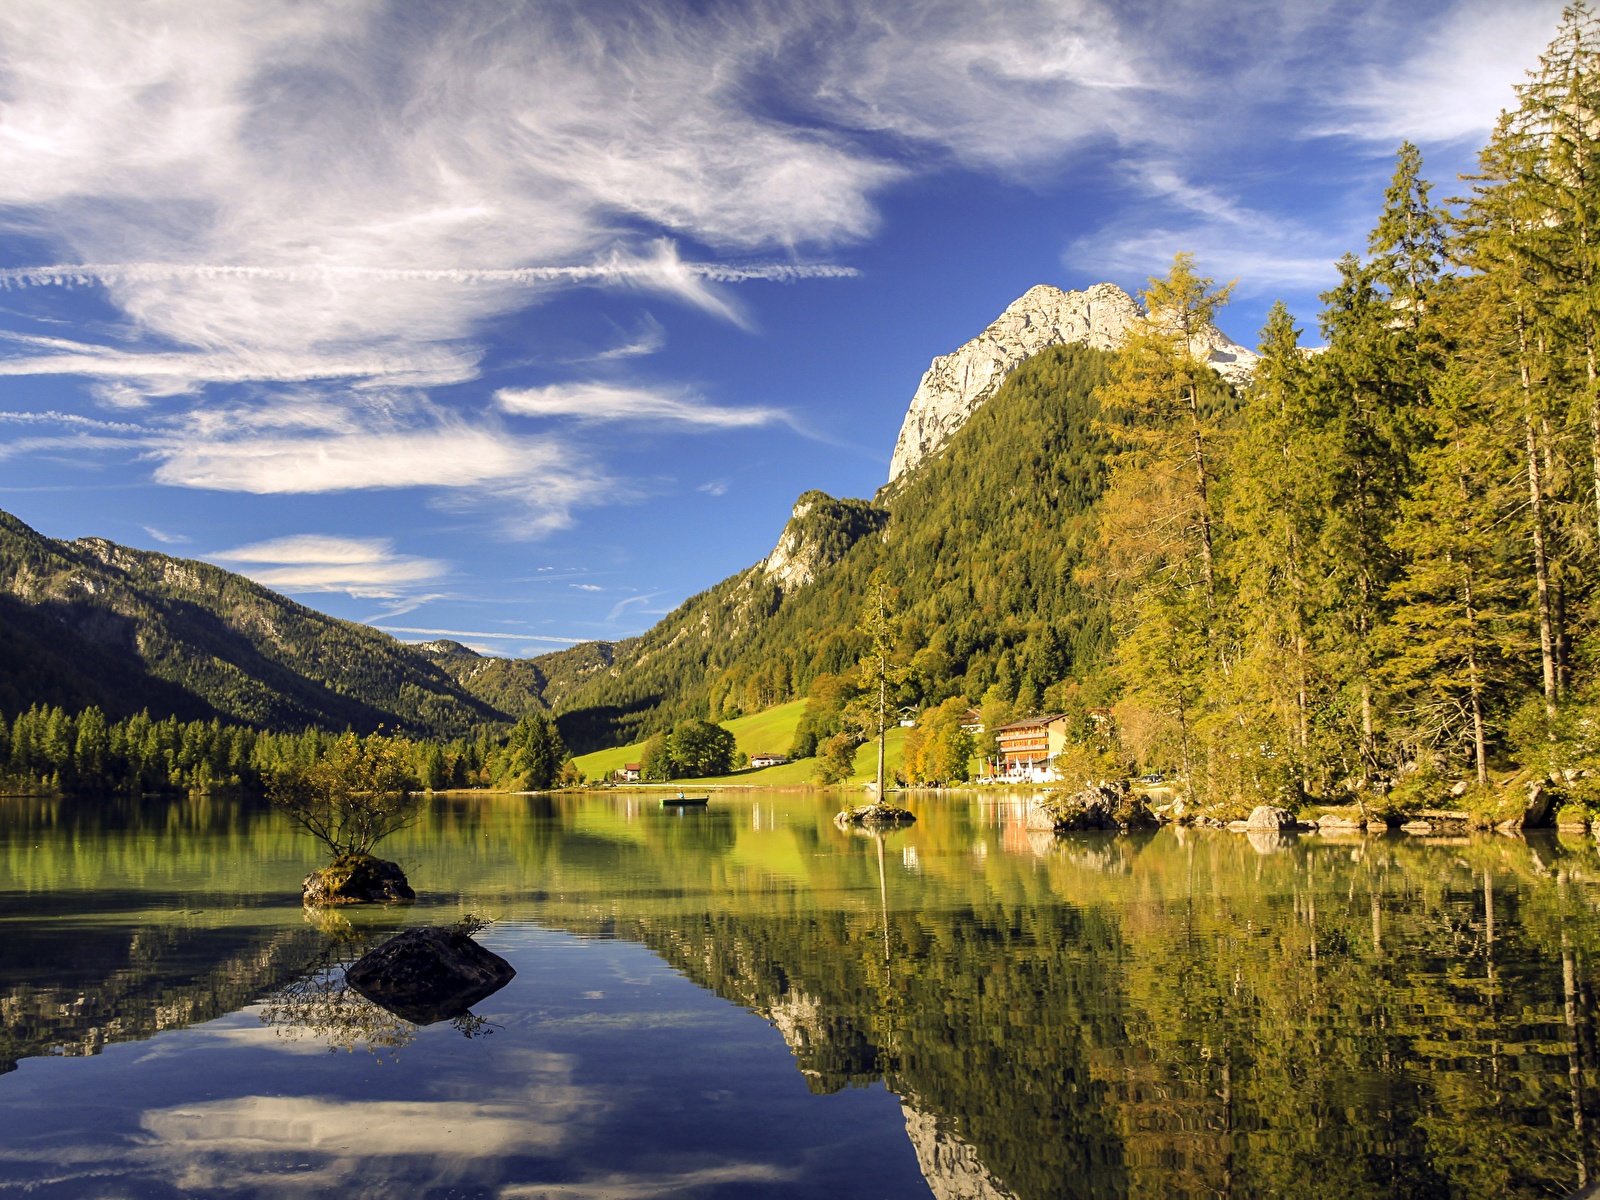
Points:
(522, 323)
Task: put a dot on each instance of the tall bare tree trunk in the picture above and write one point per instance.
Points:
(1541, 568)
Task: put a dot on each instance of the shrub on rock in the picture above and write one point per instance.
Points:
(874, 814)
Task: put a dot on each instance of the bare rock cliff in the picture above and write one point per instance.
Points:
(817, 536)
(956, 384)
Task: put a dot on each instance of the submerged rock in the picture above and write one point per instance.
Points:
(429, 975)
(1103, 807)
(356, 879)
(874, 814)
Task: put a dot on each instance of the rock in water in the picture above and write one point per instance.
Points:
(429, 975)
(356, 879)
(1105, 807)
(1266, 817)
(873, 814)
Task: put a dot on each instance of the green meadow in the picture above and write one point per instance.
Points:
(769, 732)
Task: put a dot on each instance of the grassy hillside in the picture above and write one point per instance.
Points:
(94, 622)
(770, 732)
(764, 732)
(985, 540)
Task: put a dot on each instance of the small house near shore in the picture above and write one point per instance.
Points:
(757, 761)
(630, 773)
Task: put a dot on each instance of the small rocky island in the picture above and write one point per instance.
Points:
(350, 800)
(876, 813)
(356, 879)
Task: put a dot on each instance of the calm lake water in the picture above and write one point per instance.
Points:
(749, 1002)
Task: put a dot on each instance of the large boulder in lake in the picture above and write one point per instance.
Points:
(356, 879)
(428, 975)
(1107, 806)
(1266, 818)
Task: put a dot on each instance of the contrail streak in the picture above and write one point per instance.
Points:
(83, 274)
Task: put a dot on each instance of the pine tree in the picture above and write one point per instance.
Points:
(1167, 403)
(1276, 510)
(1158, 525)
(1507, 327)
(1374, 382)
(879, 670)
(1458, 627)
(1558, 119)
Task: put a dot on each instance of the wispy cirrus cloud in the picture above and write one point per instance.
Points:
(345, 197)
(599, 402)
(1452, 82)
(361, 567)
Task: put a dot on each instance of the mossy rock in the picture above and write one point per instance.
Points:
(1572, 816)
(874, 814)
(1106, 807)
(356, 879)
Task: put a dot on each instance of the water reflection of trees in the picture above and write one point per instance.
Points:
(1384, 1017)
(1184, 1012)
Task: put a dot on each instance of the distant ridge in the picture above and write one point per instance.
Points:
(94, 622)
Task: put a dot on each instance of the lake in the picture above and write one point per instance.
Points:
(746, 1001)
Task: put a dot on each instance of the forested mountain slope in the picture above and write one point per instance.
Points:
(984, 538)
(519, 685)
(92, 622)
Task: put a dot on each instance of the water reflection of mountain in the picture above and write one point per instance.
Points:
(1177, 1014)
(1337, 1019)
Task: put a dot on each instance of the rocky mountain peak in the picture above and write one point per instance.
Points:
(818, 533)
(446, 648)
(956, 384)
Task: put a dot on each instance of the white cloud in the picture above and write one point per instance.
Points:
(1457, 81)
(339, 191)
(166, 538)
(313, 562)
(648, 338)
(345, 196)
(508, 637)
(612, 402)
(310, 549)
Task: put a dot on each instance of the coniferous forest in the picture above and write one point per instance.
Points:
(1380, 568)
(1369, 570)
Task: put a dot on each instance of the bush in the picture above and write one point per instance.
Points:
(836, 758)
(360, 793)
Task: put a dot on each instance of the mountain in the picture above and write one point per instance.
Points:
(518, 685)
(984, 526)
(955, 384)
(985, 540)
(92, 622)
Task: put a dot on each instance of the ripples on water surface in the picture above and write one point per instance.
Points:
(748, 1002)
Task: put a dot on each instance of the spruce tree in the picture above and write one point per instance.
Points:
(1507, 328)
(1558, 115)
(1458, 624)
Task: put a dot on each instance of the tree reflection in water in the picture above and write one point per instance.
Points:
(319, 1003)
(1177, 1013)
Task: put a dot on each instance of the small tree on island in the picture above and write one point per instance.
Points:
(363, 790)
(879, 670)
